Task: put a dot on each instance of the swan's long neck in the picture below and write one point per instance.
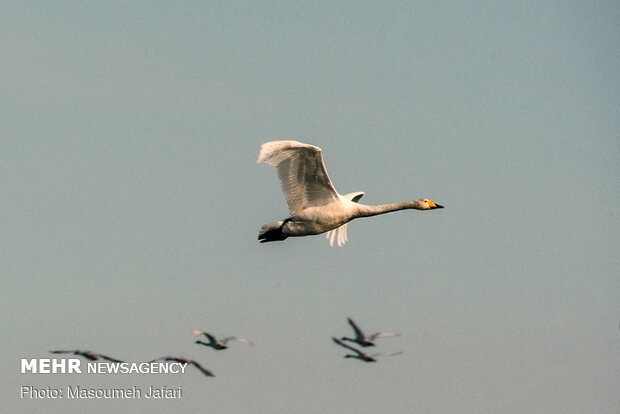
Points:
(368, 211)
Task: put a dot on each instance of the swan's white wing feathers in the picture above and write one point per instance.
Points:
(342, 230)
(245, 341)
(236, 338)
(301, 171)
(331, 235)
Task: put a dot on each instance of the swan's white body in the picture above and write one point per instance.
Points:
(314, 204)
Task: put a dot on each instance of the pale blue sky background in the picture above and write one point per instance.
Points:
(131, 201)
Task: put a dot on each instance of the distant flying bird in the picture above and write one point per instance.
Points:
(91, 356)
(218, 344)
(315, 205)
(362, 339)
(184, 360)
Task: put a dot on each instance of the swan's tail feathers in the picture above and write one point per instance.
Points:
(272, 232)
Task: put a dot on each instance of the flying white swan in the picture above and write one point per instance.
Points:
(218, 344)
(362, 339)
(314, 204)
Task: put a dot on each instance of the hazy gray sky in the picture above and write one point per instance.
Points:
(131, 201)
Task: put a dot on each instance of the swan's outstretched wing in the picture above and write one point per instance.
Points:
(342, 344)
(341, 232)
(382, 335)
(73, 351)
(166, 358)
(302, 174)
(236, 338)
(107, 358)
(201, 368)
(211, 338)
(185, 360)
(358, 332)
(91, 356)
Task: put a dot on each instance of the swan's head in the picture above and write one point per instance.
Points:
(426, 204)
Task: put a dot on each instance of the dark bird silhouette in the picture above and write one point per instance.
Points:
(362, 339)
(184, 360)
(218, 344)
(91, 356)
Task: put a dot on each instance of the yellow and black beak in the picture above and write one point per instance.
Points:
(433, 205)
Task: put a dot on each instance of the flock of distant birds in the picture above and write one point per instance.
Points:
(315, 208)
(220, 344)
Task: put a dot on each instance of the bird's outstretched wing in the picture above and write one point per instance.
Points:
(62, 352)
(358, 332)
(382, 335)
(302, 173)
(91, 356)
(201, 368)
(185, 360)
(237, 338)
(107, 358)
(342, 344)
(198, 332)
